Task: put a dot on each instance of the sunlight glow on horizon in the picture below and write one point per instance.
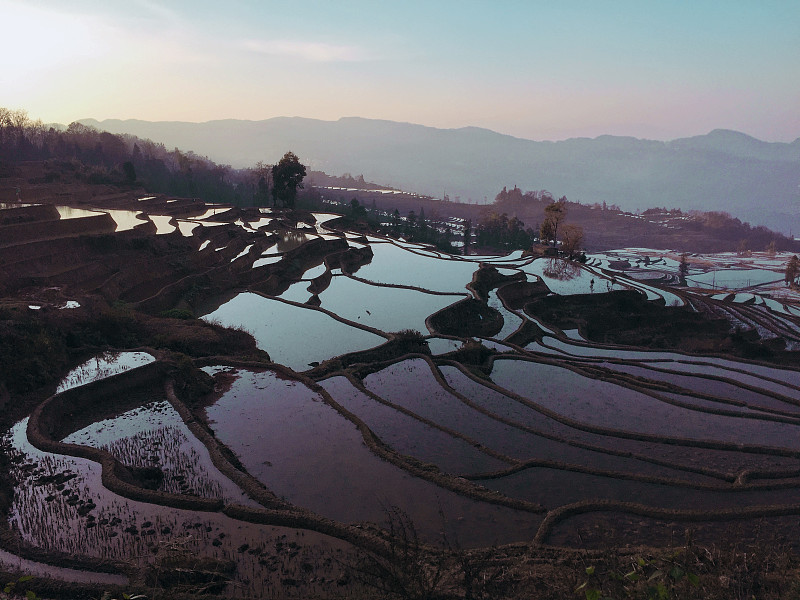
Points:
(526, 69)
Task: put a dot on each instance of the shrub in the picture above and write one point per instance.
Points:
(177, 313)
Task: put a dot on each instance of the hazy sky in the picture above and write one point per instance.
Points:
(535, 69)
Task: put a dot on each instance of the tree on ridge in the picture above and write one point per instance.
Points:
(554, 214)
(287, 177)
(792, 275)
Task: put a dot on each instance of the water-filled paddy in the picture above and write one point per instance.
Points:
(314, 272)
(91, 521)
(102, 366)
(703, 385)
(12, 563)
(395, 265)
(512, 256)
(154, 435)
(262, 222)
(555, 488)
(303, 450)
(385, 308)
(187, 228)
(69, 212)
(411, 385)
(321, 219)
(787, 376)
(561, 439)
(126, 219)
(588, 350)
(294, 336)
(734, 278)
(410, 436)
(291, 239)
(267, 260)
(564, 277)
(511, 321)
(720, 366)
(753, 380)
(243, 252)
(439, 345)
(297, 292)
(508, 408)
(654, 293)
(572, 440)
(213, 211)
(603, 404)
(163, 224)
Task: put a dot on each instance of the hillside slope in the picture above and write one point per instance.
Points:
(724, 170)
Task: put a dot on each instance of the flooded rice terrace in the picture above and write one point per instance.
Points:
(406, 381)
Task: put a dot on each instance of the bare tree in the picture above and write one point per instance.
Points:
(572, 239)
(772, 248)
(263, 182)
(554, 214)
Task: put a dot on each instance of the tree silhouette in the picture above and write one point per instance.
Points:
(129, 170)
(554, 214)
(572, 240)
(792, 271)
(262, 174)
(683, 268)
(357, 210)
(287, 177)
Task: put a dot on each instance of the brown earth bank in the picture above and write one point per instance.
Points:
(140, 290)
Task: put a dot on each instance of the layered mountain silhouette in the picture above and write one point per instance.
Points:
(724, 170)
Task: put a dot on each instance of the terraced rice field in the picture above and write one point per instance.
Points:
(557, 439)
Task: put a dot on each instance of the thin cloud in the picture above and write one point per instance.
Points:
(159, 11)
(308, 51)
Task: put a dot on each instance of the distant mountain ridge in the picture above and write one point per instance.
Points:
(723, 170)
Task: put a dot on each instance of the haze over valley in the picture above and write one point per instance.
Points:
(756, 181)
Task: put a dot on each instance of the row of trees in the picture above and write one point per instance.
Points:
(418, 228)
(498, 230)
(724, 226)
(414, 227)
(515, 201)
(101, 157)
(715, 225)
(280, 182)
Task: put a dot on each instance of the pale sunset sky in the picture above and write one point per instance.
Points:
(529, 68)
